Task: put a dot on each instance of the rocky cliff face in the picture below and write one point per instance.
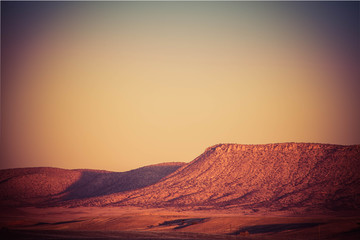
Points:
(290, 176)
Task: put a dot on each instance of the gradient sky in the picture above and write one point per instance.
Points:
(119, 85)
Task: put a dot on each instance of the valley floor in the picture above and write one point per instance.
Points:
(136, 223)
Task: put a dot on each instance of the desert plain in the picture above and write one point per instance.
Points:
(138, 223)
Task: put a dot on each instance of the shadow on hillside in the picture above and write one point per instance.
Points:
(274, 228)
(57, 223)
(98, 183)
(183, 223)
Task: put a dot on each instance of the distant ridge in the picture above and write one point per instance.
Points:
(43, 185)
(293, 177)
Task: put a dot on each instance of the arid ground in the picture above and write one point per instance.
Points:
(136, 223)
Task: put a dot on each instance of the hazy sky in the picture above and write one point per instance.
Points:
(119, 85)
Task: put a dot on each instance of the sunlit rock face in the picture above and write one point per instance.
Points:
(296, 177)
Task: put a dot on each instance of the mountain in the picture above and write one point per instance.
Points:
(293, 177)
(296, 178)
(43, 186)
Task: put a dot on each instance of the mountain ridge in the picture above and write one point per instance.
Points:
(296, 177)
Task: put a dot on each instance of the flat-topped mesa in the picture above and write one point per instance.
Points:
(235, 155)
(277, 149)
(297, 176)
(226, 147)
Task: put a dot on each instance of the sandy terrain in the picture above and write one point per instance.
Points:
(137, 223)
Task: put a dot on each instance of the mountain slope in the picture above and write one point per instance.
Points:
(37, 186)
(289, 176)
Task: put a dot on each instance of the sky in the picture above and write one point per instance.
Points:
(121, 85)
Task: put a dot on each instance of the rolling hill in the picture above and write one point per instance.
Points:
(43, 186)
